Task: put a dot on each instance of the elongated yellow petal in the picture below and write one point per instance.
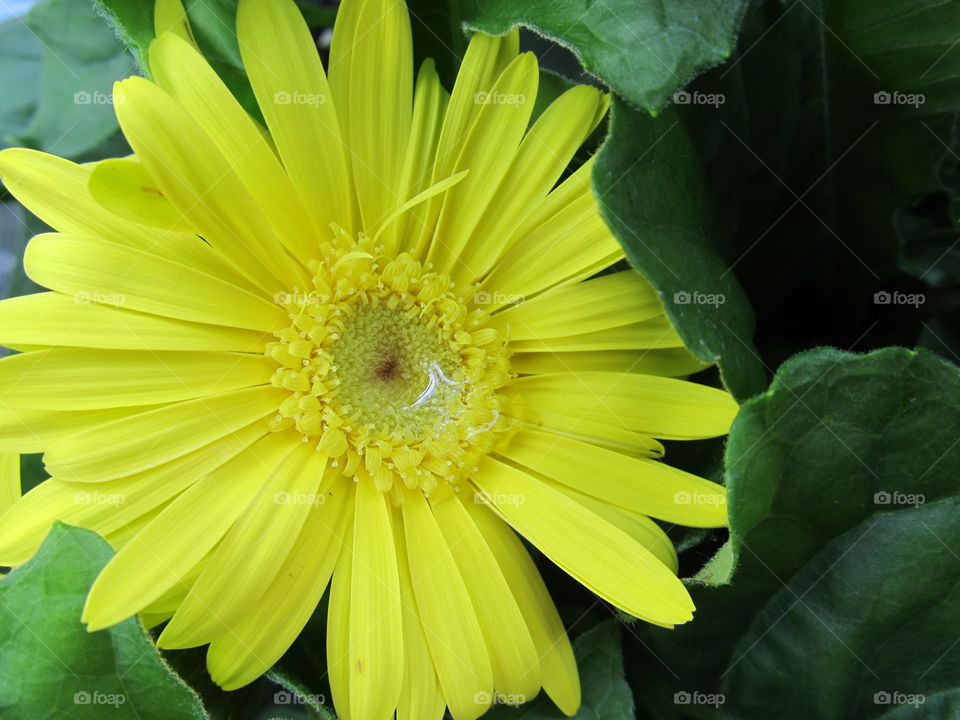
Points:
(516, 666)
(247, 559)
(664, 408)
(338, 627)
(163, 552)
(641, 528)
(55, 319)
(371, 77)
(79, 379)
(606, 302)
(56, 191)
(103, 272)
(170, 16)
(421, 697)
(557, 664)
(182, 71)
(485, 59)
(106, 507)
(575, 239)
(376, 630)
(449, 620)
(487, 152)
(656, 333)
(202, 184)
(281, 59)
(271, 626)
(669, 362)
(9, 481)
(640, 485)
(542, 157)
(124, 187)
(139, 442)
(600, 555)
(33, 431)
(429, 102)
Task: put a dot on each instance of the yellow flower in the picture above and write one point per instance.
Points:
(352, 348)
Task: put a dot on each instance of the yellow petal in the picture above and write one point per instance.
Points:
(202, 184)
(103, 272)
(485, 59)
(170, 16)
(338, 627)
(182, 71)
(281, 59)
(557, 664)
(606, 302)
(54, 319)
(165, 551)
(669, 362)
(371, 77)
(640, 485)
(421, 697)
(664, 408)
(142, 441)
(487, 151)
(124, 187)
(544, 154)
(246, 561)
(600, 555)
(106, 507)
(82, 379)
(9, 482)
(449, 621)
(577, 243)
(516, 665)
(376, 632)
(268, 630)
(656, 333)
(33, 431)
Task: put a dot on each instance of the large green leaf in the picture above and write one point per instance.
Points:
(51, 667)
(821, 143)
(642, 50)
(652, 193)
(834, 458)
(606, 695)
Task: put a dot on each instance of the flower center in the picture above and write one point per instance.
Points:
(391, 372)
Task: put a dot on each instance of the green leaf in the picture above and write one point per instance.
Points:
(830, 466)
(82, 59)
(606, 695)
(642, 50)
(53, 668)
(132, 21)
(650, 186)
(21, 55)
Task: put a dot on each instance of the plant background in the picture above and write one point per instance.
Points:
(826, 219)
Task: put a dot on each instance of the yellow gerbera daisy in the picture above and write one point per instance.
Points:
(359, 344)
